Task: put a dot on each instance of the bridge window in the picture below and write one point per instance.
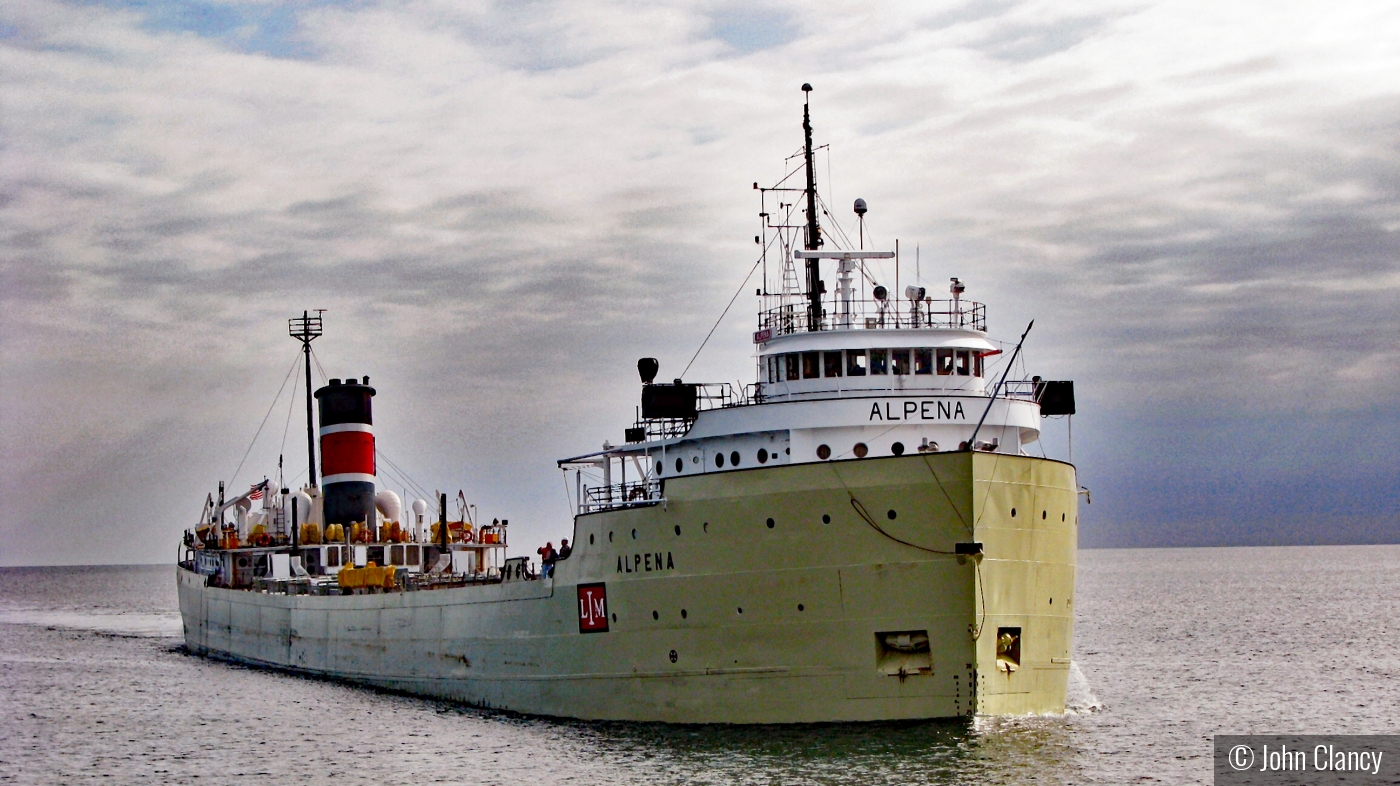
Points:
(772, 368)
(899, 361)
(964, 362)
(811, 365)
(879, 361)
(945, 362)
(977, 364)
(855, 362)
(831, 364)
(791, 361)
(923, 361)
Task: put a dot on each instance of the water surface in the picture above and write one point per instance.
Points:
(1172, 646)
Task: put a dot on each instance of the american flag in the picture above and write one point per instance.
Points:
(256, 492)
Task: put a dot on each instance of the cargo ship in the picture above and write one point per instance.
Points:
(860, 534)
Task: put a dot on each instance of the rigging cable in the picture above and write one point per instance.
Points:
(408, 479)
(976, 628)
(861, 511)
(403, 476)
(286, 427)
(722, 315)
(290, 371)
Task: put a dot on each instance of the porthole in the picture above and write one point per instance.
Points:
(770, 523)
(673, 656)
(610, 537)
(734, 458)
(1042, 515)
(823, 452)
(1013, 513)
(890, 515)
(678, 529)
(655, 616)
(719, 459)
(590, 538)
(658, 468)
(741, 609)
(614, 617)
(1062, 517)
(683, 614)
(706, 526)
(680, 466)
(694, 459)
(800, 607)
(897, 448)
(634, 534)
(762, 456)
(860, 450)
(787, 451)
(826, 519)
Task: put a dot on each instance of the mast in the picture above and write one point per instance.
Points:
(814, 232)
(305, 329)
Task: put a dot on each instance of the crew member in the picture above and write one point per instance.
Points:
(547, 557)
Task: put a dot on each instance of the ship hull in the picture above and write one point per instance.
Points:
(715, 616)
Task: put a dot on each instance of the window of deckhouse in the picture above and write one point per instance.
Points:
(945, 362)
(855, 362)
(791, 361)
(977, 364)
(811, 365)
(899, 361)
(879, 361)
(964, 362)
(923, 361)
(831, 364)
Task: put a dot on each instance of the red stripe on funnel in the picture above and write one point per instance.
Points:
(346, 452)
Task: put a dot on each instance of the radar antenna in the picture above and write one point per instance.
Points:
(306, 329)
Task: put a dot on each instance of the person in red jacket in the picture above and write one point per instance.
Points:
(547, 557)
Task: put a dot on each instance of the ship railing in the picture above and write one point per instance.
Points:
(620, 495)
(718, 395)
(1016, 388)
(649, 429)
(790, 318)
(708, 395)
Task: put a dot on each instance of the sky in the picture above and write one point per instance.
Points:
(502, 206)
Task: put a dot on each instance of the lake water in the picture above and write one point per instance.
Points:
(1171, 647)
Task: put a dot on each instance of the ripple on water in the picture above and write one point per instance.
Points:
(1171, 646)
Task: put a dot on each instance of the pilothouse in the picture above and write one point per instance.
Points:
(863, 371)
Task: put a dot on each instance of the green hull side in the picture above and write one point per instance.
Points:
(1027, 580)
(815, 596)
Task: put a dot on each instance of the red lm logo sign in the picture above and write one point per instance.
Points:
(593, 608)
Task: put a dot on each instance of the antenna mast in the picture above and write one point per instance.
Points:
(814, 232)
(305, 329)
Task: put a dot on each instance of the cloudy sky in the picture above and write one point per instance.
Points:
(502, 206)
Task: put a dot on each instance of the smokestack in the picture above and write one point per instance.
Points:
(347, 451)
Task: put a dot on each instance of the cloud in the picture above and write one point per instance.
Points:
(503, 206)
(750, 29)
